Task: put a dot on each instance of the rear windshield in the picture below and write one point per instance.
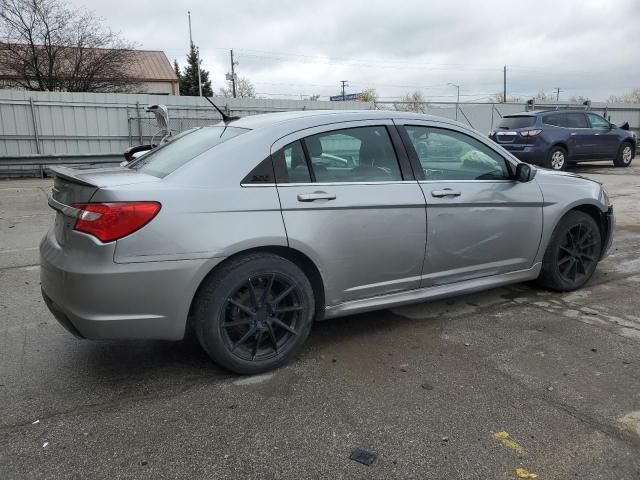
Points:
(509, 123)
(183, 148)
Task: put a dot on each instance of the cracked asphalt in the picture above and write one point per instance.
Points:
(472, 387)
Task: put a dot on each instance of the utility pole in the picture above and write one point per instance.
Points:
(504, 89)
(197, 54)
(457, 98)
(345, 83)
(233, 74)
(557, 94)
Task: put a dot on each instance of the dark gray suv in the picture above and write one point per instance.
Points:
(554, 138)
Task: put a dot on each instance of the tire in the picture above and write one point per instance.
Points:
(625, 155)
(556, 159)
(239, 329)
(572, 254)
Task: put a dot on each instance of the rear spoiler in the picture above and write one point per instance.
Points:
(74, 175)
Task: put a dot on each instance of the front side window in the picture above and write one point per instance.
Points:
(598, 122)
(363, 154)
(450, 155)
(577, 120)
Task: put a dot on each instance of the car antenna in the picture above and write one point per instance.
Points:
(225, 118)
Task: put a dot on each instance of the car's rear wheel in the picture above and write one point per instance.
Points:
(572, 254)
(625, 155)
(556, 159)
(255, 313)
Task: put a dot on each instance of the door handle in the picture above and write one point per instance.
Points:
(447, 192)
(312, 197)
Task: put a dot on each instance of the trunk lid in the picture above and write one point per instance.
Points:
(79, 185)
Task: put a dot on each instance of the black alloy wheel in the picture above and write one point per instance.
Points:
(261, 316)
(572, 254)
(254, 313)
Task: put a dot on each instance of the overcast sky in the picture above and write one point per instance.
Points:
(293, 47)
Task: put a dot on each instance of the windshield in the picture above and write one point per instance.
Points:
(183, 148)
(509, 123)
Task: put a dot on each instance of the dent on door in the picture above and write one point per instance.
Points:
(487, 229)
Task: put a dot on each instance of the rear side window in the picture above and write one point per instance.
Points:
(362, 154)
(555, 119)
(290, 164)
(179, 151)
(577, 120)
(510, 123)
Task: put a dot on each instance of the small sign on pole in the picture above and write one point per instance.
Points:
(347, 97)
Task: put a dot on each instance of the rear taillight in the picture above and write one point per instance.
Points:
(530, 133)
(111, 221)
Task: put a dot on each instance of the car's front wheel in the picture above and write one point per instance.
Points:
(625, 155)
(556, 159)
(255, 313)
(572, 254)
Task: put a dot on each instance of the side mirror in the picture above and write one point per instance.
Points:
(524, 173)
(625, 126)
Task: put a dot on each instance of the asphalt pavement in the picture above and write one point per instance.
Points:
(505, 384)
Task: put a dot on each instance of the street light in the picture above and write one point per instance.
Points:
(457, 97)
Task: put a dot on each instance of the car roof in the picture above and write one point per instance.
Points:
(328, 116)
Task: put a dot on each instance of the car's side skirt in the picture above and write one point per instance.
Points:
(431, 293)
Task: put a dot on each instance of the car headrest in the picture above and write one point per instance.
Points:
(314, 146)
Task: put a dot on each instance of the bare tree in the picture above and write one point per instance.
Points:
(543, 97)
(244, 89)
(412, 102)
(631, 97)
(368, 95)
(46, 45)
(578, 99)
(499, 98)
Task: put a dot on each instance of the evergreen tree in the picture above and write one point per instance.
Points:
(176, 68)
(189, 79)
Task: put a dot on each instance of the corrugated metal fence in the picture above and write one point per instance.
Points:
(38, 129)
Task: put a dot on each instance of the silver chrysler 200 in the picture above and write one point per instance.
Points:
(247, 231)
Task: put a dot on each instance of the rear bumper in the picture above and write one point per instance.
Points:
(95, 298)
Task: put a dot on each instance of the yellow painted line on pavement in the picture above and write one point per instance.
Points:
(522, 473)
(503, 438)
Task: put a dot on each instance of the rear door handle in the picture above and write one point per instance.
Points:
(447, 192)
(312, 197)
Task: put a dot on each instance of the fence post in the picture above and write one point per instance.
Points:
(139, 122)
(129, 128)
(35, 126)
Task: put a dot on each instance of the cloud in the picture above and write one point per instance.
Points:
(299, 47)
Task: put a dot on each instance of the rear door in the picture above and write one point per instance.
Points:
(480, 221)
(350, 202)
(604, 138)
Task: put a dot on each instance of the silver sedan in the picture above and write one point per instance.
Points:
(247, 232)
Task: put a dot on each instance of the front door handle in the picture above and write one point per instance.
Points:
(447, 192)
(312, 197)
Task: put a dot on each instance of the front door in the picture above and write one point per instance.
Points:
(480, 222)
(604, 138)
(350, 203)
